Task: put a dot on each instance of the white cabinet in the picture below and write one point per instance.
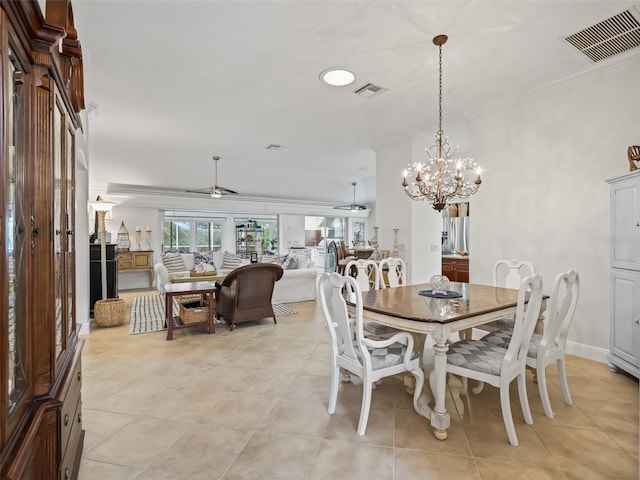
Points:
(625, 320)
(625, 273)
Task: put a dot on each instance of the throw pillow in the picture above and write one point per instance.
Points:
(230, 261)
(290, 263)
(270, 259)
(203, 258)
(173, 262)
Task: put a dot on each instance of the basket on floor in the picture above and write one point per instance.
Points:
(109, 312)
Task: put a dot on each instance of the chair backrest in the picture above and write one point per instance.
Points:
(254, 282)
(395, 270)
(332, 257)
(509, 273)
(365, 272)
(562, 307)
(343, 330)
(527, 313)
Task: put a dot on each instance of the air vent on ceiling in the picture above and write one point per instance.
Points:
(370, 90)
(609, 37)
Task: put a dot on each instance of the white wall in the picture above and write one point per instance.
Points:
(291, 232)
(420, 225)
(544, 198)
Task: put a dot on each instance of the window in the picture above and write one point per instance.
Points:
(208, 236)
(192, 234)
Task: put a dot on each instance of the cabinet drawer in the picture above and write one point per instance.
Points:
(70, 404)
(71, 456)
(125, 264)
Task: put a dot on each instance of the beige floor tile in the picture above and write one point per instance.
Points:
(586, 452)
(272, 455)
(618, 419)
(343, 425)
(239, 410)
(352, 461)
(415, 464)
(138, 443)
(99, 425)
(204, 452)
(297, 418)
(252, 404)
(495, 470)
(91, 470)
(414, 432)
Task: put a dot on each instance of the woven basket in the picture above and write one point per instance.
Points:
(198, 314)
(109, 312)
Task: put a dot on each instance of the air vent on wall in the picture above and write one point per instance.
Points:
(609, 37)
(370, 90)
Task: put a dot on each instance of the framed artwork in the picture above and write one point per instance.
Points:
(358, 233)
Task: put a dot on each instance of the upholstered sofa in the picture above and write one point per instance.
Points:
(296, 285)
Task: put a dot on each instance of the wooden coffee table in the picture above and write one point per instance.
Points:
(207, 292)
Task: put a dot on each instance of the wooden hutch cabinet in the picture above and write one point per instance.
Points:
(41, 433)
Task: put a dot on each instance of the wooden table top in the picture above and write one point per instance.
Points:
(406, 303)
(190, 287)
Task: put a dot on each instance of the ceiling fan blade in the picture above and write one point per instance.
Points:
(353, 207)
(226, 191)
(202, 191)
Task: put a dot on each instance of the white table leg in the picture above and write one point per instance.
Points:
(440, 419)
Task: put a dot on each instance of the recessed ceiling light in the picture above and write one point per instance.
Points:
(337, 76)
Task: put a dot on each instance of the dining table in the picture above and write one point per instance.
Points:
(408, 308)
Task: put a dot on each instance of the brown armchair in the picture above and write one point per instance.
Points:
(245, 293)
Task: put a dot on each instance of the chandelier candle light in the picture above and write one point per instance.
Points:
(442, 178)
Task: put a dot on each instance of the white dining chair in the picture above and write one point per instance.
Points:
(366, 273)
(395, 270)
(369, 359)
(498, 366)
(550, 346)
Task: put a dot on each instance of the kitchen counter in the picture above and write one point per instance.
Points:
(454, 255)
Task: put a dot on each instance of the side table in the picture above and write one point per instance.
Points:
(205, 289)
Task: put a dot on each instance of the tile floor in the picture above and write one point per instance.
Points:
(252, 404)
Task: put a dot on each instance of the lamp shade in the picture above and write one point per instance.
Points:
(100, 205)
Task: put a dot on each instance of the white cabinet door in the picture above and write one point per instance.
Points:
(625, 222)
(625, 320)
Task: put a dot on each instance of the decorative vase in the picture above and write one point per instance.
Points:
(439, 284)
(138, 237)
(148, 238)
(375, 255)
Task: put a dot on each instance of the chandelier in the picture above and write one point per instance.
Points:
(441, 178)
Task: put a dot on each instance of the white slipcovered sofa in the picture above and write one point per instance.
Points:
(296, 285)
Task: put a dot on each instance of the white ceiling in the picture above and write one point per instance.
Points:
(176, 82)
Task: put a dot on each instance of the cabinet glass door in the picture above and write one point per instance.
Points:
(58, 222)
(69, 236)
(14, 231)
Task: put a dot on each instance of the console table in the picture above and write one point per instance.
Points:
(136, 261)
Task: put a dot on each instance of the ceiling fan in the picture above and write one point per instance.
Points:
(215, 191)
(354, 207)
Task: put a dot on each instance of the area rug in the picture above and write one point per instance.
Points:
(281, 310)
(147, 313)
